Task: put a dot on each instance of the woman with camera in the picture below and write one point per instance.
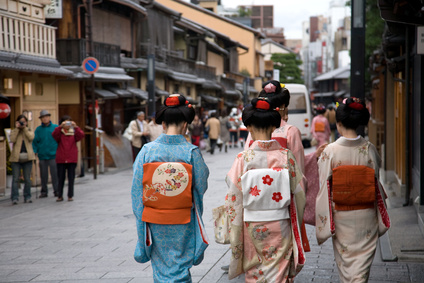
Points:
(67, 135)
(21, 158)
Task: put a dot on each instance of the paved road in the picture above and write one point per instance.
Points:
(92, 239)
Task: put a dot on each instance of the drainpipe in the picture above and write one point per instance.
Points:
(408, 120)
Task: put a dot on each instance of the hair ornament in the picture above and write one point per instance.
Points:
(186, 102)
(282, 85)
(356, 104)
(270, 88)
(189, 105)
(277, 109)
(262, 104)
(172, 100)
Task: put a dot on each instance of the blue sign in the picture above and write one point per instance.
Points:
(90, 65)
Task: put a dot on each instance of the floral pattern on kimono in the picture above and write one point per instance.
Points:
(355, 232)
(174, 248)
(269, 251)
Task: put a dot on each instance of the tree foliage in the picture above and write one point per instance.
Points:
(288, 64)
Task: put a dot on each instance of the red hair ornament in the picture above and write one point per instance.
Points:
(262, 104)
(172, 101)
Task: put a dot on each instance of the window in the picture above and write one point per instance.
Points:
(297, 103)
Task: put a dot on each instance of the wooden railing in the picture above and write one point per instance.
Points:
(73, 52)
(22, 36)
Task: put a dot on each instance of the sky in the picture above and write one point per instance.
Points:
(288, 14)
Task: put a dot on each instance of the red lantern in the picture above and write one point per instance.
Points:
(4, 110)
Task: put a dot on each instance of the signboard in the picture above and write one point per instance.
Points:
(90, 65)
(420, 40)
(276, 74)
(53, 10)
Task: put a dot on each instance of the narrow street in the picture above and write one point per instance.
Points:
(92, 239)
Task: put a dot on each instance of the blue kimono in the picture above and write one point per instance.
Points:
(175, 248)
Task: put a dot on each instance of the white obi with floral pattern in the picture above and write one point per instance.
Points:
(266, 194)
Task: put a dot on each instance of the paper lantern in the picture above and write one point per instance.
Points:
(4, 110)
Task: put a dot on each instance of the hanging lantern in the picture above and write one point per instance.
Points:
(4, 110)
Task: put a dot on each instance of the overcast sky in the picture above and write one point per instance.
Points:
(288, 14)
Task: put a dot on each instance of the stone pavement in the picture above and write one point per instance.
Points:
(92, 239)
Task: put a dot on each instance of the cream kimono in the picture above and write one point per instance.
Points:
(355, 232)
(265, 235)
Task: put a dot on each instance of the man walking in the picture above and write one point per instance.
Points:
(45, 147)
(140, 133)
(214, 127)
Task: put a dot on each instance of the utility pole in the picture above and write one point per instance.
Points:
(90, 52)
(357, 69)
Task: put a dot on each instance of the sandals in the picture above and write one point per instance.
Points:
(59, 199)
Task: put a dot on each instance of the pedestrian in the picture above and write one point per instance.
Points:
(350, 205)
(265, 203)
(224, 136)
(330, 114)
(155, 129)
(288, 136)
(21, 158)
(45, 147)
(67, 134)
(196, 130)
(170, 179)
(235, 124)
(320, 127)
(140, 133)
(214, 130)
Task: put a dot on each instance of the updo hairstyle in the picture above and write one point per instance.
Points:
(261, 114)
(175, 111)
(277, 94)
(352, 113)
(320, 109)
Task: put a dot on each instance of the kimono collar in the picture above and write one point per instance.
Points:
(350, 142)
(266, 145)
(171, 139)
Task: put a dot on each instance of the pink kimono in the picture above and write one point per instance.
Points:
(320, 130)
(265, 203)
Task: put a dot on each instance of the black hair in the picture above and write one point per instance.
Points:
(64, 118)
(352, 113)
(261, 118)
(175, 111)
(320, 109)
(20, 117)
(279, 97)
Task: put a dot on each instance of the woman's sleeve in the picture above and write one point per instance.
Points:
(14, 135)
(29, 134)
(57, 134)
(294, 143)
(296, 176)
(323, 208)
(79, 134)
(200, 177)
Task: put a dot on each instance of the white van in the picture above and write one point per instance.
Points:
(300, 111)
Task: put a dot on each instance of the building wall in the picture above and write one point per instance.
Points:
(217, 61)
(237, 33)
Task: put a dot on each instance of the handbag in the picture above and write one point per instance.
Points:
(221, 225)
(23, 157)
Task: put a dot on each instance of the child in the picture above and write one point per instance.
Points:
(350, 203)
(265, 203)
(170, 179)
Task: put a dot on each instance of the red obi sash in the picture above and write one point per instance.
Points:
(167, 195)
(319, 127)
(281, 141)
(353, 187)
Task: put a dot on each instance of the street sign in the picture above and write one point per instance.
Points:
(90, 65)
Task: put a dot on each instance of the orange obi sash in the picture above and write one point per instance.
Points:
(319, 127)
(353, 187)
(167, 195)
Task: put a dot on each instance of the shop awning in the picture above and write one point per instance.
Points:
(210, 99)
(339, 73)
(211, 85)
(103, 93)
(120, 91)
(160, 92)
(32, 64)
(187, 78)
(251, 89)
(234, 94)
(139, 93)
(104, 74)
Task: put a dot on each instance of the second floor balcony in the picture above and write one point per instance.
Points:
(74, 51)
(23, 36)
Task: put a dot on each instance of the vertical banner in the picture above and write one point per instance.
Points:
(53, 10)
